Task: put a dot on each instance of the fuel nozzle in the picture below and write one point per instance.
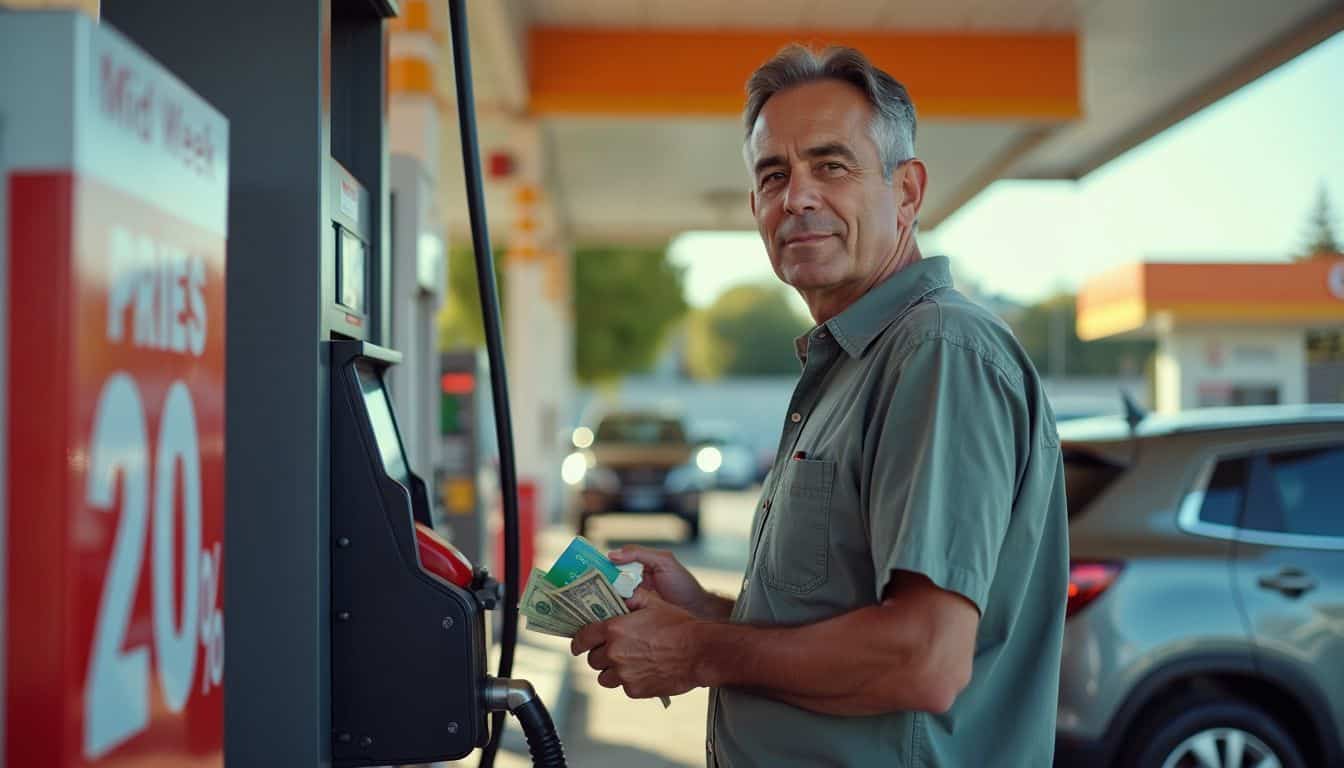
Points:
(518, 697)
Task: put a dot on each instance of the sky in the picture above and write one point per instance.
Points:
(1233, 182)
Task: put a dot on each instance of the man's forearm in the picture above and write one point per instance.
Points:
(860, 663)
(714, 607)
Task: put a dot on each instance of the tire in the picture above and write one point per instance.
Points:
(693, 527)
(1169, 736)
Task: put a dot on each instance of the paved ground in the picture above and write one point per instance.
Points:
(604, 729)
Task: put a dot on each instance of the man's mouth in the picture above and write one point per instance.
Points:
(806, 238)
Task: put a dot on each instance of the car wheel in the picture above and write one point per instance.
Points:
(693, 527)
(1211, 731)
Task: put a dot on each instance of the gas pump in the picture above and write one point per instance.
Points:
(419, 281)
(401, 594)
(459, 458)
(358, 634)
(409, 682)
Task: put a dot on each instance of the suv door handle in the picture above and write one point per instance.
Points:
(1289, 581)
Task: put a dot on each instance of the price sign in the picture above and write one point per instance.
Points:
(114, 623)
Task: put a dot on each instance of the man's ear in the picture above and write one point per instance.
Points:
(914, 179)
(751, 200)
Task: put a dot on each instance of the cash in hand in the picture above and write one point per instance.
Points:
(582, 587)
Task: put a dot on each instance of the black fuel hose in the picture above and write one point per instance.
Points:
(542, 741)
(518, 697)
(494, 345)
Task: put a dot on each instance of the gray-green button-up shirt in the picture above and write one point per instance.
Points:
(918, 439)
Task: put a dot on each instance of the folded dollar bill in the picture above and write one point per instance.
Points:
(544, 610)
(584, 600)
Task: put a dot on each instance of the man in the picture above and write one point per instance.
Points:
(904, 597)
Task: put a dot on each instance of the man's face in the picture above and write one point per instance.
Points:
(826, 214)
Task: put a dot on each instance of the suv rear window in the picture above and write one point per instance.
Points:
(1086, 476)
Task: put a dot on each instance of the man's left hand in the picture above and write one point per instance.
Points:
(648, 652)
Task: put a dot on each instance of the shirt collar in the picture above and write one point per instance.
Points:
(861, 322)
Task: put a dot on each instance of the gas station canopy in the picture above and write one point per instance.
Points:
(638, 101)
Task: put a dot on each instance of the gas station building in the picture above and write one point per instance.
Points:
(1227, 333)
(224, 435)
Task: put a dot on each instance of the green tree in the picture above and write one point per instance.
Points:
(1320, 241)
(460, 323)
(625, 301)
(1327, 345)
(1048, 332)
(747, 331)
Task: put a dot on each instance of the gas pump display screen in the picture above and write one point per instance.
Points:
(352, 255)
(384, 429)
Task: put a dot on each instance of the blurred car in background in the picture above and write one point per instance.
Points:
(722, 452)
(635, 462)
(1205, 618)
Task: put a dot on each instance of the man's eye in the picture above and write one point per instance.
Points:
(771, 178)
(834, 167)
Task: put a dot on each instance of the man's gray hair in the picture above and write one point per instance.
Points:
(893, 126)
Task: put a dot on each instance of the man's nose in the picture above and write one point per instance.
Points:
(803, 194)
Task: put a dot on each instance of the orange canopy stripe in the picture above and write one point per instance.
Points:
(611, 71)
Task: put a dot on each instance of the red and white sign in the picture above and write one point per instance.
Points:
(113, 246)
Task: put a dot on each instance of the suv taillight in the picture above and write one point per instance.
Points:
(1087, 580)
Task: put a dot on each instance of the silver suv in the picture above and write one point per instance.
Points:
(1206, 599)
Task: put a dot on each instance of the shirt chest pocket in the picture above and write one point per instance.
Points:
(796, 539)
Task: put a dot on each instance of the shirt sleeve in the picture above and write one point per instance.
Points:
(944, 467)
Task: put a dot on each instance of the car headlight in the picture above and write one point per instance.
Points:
(582, 437)
(573, 468)
(709, 459)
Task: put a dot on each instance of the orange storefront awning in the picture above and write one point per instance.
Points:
(1129, 300)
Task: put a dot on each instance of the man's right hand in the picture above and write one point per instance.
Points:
(664, 574)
